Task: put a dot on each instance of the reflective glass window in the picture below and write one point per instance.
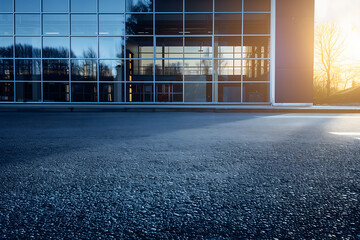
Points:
(6, 6)
(169, 47)
(84, 47)
(111, 47)
(228, 6)
(229, 23)
(257, 23)
(111, 6)
(6, 69)
(198, 47)
(28, 69)
(55, 5)
(257, 5)
(79, 6)
(6, 24)
(256, 47)
(228, 47)
(56, 47)
(169, 24)
(139, 24)
(27, 24)
(229, 92)
(199, 5)
(169, 70)
(198, 24)
(56, 92)
(28, 91)
(169, 92)
(256, 70)
(55, 70)
(111, 92)
(139, 70)
(83, 92)
(139, 5)
(139, 92)
(228, 70)
(6, 92)
(6, 47)
(28, 47)
(111, 70)
(83, 24)
(168, 6)
(27, 6)
(198, 92)
(256, 92)
(111, 24)
(55, 24)
(83, 70)
(198, 70)
(139, 47)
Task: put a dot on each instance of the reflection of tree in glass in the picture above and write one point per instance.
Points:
(27, 51)
(140, 6)
(83, 70)
(107, 74)
(6, 52)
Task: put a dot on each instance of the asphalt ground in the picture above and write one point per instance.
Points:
(173, 175)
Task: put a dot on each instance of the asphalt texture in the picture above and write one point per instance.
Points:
(173, 175)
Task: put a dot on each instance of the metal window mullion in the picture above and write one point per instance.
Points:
(14, 62)
(213, 54)
(98, 53)
(183, 53)
(242, 50)
(41, 53)
(70, 47)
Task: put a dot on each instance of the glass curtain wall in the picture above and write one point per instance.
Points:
(135, 51)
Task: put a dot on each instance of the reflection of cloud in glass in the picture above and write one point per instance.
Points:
(139, 5)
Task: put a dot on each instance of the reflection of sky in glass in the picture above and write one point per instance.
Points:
(6, 6)
(56, 24)
(84, 47)
(6, 24)
(139, 5)
(79, 6)
(111, 6)
(111, 47)
(6, 47)
(27, 24)
(22, 45)
(55, 5)
(111, 24)
(27, 5)
(56, 47)
(83, 24)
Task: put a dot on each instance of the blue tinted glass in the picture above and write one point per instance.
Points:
(111, 70)
(6, 24)
(28, 91)
(111, 47)
(56, 47)
(55, 5)
(55, 24)
(139, 24)
(28, 47)
(6, 47)
(27, 24)
(6, 69)
(56, 92)
(111, 5)
(28, 69)
(83, 92)
(169, 6)
(27, 6)
(83, 6)
(111, 24)
(83, 24)
(6, 6)
(83, 70)
(55, 70)
(83, 47)
(139, 5)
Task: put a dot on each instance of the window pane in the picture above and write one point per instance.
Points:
(112, 6)
(55, 5)
(111, 24)
(228, 47)
(139, 70)
(83, 24)
(256, 70)
(228, 23)
(28, 69)
(229, 92)
(198, 24)
(6, 6)
(256, 47)
(198, 92)
(111, 92)
(139, 5)
(6, 92)
(83, 47)
(198, 5)
(111, 47)
(27, 24)
(169, 92)
(79, 6)
(257, 5)
(55, 24)
(55, 70)
(55, 47)
(6, 24)
(256, 92)
(83, 70)
(198, 70)
(27, 6)
(169, 24)
(111, 70)
(169, 70)
(6, 47)
(198, 47)
(139, 47)
(139, 92)
(257, 23)
(169, 47)
(139, 24)
(228, 6)
(83, 92)
(6, 69)
(228, 70)
(56, 92)
(28, 92)
(168, 6)
(28, 47)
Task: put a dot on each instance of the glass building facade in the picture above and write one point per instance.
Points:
(135, 51)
